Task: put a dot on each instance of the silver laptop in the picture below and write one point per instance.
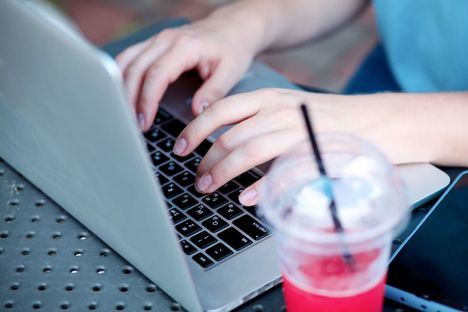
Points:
(66, 125)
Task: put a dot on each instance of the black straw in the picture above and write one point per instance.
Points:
(323, 173)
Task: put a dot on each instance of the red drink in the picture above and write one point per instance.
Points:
(298, 300)
(332, 272)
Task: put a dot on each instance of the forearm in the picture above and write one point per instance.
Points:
(281, 23)
(412, 127)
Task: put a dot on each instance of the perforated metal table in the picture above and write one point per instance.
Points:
(49, 261)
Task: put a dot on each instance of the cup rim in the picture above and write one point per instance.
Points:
(391, 225)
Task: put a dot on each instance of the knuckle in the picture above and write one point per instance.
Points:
(154, 71)
(224, 143)
(134, 69)
(215, 92)
(166, 34)
(267, 93)
(184, 40)
(215, 109)
(250, 152)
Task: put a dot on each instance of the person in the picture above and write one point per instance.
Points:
(425, 44)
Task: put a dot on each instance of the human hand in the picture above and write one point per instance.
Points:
(267, 123)
(220, 53)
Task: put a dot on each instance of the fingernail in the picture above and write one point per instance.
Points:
(180, 146)
(204, 182)
(247, 197)
(203, 104)
(141, 121)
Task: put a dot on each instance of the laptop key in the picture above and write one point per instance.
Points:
(203, 239)
(202, 260)
(251, 209)
(171, 190)
(215, 224)
(199, 212)
(162, 116)
(187, 247)
(214, 200)
(185, 179)
(203, 148)
(229, 187)
(251, 227)
(176, 215)
(194, 192)
(150, 148)
(173, 127)
(182, 158)
(166, 144)
(234, 196)
(170, 168)
(219, 251)
(158, 158)
(230, 211)
(187, 227)
(154, 135)
(161, 178)
(234, 238)
(184, 201)
(247, 178)
(192, 164)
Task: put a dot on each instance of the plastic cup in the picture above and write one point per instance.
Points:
(372, 205)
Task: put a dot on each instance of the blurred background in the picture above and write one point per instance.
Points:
(325, 64)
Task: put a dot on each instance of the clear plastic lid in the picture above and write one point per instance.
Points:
(369, 195)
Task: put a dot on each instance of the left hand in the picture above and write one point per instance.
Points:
(267, 122)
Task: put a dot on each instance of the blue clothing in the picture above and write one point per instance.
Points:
(373, 75)
(426, 43)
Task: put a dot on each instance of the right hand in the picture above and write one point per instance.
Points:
(219, 52)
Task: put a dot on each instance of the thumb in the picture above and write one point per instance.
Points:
(223, 78)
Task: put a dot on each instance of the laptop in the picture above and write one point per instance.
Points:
(66, 125)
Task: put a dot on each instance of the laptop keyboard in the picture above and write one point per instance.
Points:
(211, 227)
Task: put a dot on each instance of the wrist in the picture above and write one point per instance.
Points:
(248, 23)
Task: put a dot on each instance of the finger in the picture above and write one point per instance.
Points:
(159, 75)
(251, 195)
(221, 79)
(225, 112)
(262, 123)
(135, 71)
(257, 151)
(126, 57)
